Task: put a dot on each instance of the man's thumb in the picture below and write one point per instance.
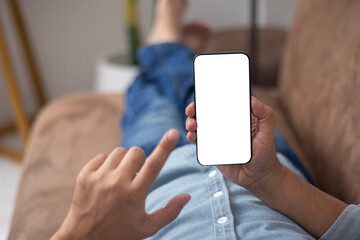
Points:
(162, 217)
(264, 115)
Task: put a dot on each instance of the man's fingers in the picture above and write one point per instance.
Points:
(191, 137)
(132, 161)
(94, 163)
(164, 216)
(114, 159)
(191, 124)
(190, 110)
(155, 162)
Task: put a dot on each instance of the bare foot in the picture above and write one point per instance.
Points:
(167, 25)
(196, 36)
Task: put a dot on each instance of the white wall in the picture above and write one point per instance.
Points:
(277, 13)
(69, 35)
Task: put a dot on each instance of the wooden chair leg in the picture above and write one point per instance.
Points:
(11, 152)
(35, 76)
(13, 90)
(22, 122)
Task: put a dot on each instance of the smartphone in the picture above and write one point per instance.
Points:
(222, 108)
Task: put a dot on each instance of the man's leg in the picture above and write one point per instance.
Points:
(283, 147)
(157, 99)
(148, 115)
(170, 65)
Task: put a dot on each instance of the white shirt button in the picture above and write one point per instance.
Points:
(217, 194)
(222, 220)
(212, 173)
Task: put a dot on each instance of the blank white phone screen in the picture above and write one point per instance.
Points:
(222, 106)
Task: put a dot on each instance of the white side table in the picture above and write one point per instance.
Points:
(114, 74)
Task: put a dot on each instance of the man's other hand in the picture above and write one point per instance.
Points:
(110, 193)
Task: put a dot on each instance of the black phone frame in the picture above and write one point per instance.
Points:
(250, 95)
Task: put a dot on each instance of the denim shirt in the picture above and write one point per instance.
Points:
(220, 209)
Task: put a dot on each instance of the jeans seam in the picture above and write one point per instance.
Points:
(168, 69)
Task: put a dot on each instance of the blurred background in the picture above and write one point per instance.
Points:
(86, 45)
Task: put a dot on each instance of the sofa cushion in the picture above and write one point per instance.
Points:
(271, 97)
(320, 86)
(66, 134)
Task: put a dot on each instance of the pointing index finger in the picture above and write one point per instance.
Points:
(156, 161)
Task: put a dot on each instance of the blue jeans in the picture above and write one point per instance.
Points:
(157, 99)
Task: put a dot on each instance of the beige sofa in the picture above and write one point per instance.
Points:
(316, 109)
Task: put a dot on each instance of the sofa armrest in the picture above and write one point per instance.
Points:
(66, 134)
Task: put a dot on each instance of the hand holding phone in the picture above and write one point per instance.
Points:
(264, 161)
